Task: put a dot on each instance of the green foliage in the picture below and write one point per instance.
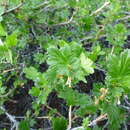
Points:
(86, 63)
(39, 58)
(2, 31)
(59, 124)
(86, 123)
(116, 35)
(24, 125)
(68, 61)
(2, 92)
(11, 40)
(74, 98)
(6, 46)
(40, 84)
(119, 70)
(115, 116)
(65, 57)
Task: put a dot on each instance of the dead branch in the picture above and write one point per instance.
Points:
(13, 9)
(100, 9)
(11, 118)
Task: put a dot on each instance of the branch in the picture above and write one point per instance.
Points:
(78, 128)
(5, 71)
(39, 117)
(11, 118)
(67, 22)
(43, 117)
(124, 18)
(126, 100)
(50, 8)
(93, 123)
(127, 13)
(13, 9)
(52, 109)
(124, 107)
(86, 38)
(100, 118)
(42, 5)
(70, 118)
(70, 107)
(100, 9)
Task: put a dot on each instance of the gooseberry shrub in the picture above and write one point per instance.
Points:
(64, 64)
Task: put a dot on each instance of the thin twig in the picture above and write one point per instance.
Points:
(67, 22)
(86, 38)
(42, 5)
(78, 128)
(100, 118)
(128, 13)
(70, 117)
(100, 9)
(124, 18)
(46, 8)
(11, 118)
(105, 126)
(125, 126)
(51, 9)
(125, 107)
(100, 68)
(13, 9)
(126, 100)
(43, 117)
(112, 50)
(5, 71)
(39, 117)
(70, 107)
(52, 109)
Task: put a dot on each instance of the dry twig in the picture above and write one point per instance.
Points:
(70, 118)
(67, 22)
(100, 9)
(100, 118)
(11, 118)
(42, 4)
(13, 9)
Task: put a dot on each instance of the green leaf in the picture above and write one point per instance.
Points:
(44, 94)
(66, 61)
(97, 128)
(86, 123)
(2, 9)
(72, 3)
(88, 21)
(35, 91)
(2, 31)
(119, 70)
(117, 92)
(96, 51)
(39, 57)
(69, 95)
(24, 125)
(116, 35)
(5, 52)
(59, 123)
(115, 116)
(11, 40)
(86, 63)
(86, 109)
(73, 97)
(31, 73)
